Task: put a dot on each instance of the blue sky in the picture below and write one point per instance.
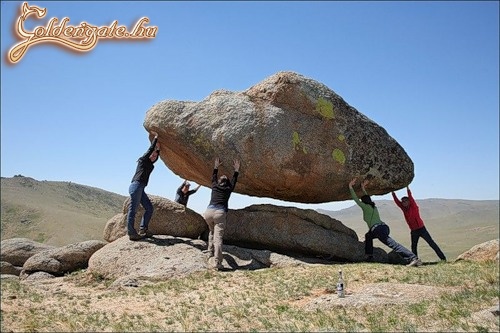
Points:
(427, 72)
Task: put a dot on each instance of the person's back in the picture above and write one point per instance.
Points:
(370, 212)
(222, 189)
(215, 215)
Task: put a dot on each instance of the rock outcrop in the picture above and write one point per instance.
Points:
(297, 141)
(62, 260)
(481, 252)
(285, 230)
(292, 230)
(160, 257)
(165, 257)
(169, 218)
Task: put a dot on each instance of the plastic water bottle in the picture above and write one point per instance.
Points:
(340, 285)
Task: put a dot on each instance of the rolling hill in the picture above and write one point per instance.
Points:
(55, 213)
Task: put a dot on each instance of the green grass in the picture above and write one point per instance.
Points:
(263, 300)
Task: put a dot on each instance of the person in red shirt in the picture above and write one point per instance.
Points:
(416, 224)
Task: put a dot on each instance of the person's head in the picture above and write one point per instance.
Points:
(154, 155)
(367, 200)
(186, 187)
(223, 181)
(405, 201)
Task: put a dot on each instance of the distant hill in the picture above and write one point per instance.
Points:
(455, 224)
(61, 213)
(55, 213)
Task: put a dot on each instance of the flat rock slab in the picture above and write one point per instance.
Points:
(374, 294)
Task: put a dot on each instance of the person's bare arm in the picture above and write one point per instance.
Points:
(363, 185)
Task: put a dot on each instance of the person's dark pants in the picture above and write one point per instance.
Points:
(137, 195)
(422, 232)
(381, 232)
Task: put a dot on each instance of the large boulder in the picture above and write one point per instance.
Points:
(165, 257)
(286, 230)
(17, 250)
(59, 261)
(160, 257)
(297, 141)
(291, 230)
(169, 218)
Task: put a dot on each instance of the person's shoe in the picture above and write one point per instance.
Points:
(145, 233)
(134, 237)
(369, 259)
(415, 262)
(209, 254)
(212, 264)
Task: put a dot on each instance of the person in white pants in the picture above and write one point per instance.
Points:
(215, 215)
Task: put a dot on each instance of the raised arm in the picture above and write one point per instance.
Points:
(410, 196)
(396, 200)
(180, 187)
(217, 163)
(353, 194)
(153, 146)
(363, 184)
(236, 165)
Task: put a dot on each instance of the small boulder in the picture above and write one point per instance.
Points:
(8, 268)
(62, 260)
(482, 252)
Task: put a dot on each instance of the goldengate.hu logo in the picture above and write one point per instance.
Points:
(81, 38)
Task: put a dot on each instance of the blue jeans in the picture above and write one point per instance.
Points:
(137, 195)
(422, 232)
(381, 232)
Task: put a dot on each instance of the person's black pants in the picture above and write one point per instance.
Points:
(381, 232)
(422, 232)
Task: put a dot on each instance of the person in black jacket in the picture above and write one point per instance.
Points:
(215, 215)
(183, 193)
(136, 189)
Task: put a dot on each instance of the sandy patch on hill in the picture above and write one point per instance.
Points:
(374, 294)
